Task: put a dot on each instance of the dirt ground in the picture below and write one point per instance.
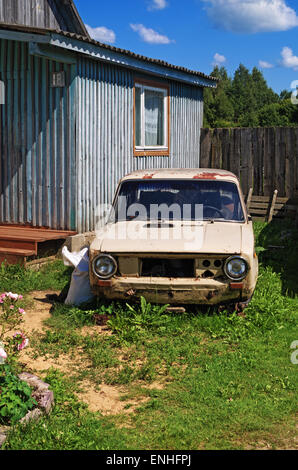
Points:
(105, 399)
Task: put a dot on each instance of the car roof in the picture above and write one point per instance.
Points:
(182, 173)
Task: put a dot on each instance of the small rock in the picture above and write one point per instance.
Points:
(33, 415)
(46, 401)
(33, 381)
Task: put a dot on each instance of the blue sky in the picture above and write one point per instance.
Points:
(198, 33)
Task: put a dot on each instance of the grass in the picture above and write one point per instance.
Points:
(218, 381)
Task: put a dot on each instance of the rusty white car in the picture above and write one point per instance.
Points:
(179, 236)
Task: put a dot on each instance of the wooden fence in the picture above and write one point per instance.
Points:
(264, 159)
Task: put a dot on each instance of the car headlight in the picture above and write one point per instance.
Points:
(104, 266)
(236, 268)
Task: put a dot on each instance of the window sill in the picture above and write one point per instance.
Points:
(162, 152)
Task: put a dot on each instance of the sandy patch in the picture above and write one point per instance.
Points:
(106, 399)
(38, 312)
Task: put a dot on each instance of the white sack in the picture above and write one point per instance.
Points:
(79, 291)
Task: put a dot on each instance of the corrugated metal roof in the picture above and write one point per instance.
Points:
(108, 47)
(76, 15)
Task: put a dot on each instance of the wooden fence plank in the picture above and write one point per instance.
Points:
(269, 167)
(245, 158)
(226, 148)
(280, 161)
(206, 137)
(258, 160)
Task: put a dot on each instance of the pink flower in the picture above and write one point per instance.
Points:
(22, 341)
(13, 296)
(21, 310)
(11, 307)
(3, 354)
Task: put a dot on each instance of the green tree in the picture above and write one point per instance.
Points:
(243, 97)
(283, 113)
(219, 111)
(246, 100)
(263, 94)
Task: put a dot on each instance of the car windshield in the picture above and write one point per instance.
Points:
(178, 200)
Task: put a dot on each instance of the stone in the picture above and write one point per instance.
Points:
(43, 396)
(32, 415)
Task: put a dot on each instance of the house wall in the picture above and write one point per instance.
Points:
(37, 141)
(63, 150)
(53, 14)
(105, 134)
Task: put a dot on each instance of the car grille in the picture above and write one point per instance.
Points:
(207, 266)
(160, 267)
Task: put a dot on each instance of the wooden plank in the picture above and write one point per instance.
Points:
(289, 162)
(236, 152)
(206, 135)
(269, 153)
(245, 157)
(258, 160)
(260, 198)
(225, 148)
(214, 150)
(260, 205)
(257, 211)
(280, 160)
(271, 207)
(249, 196)
(19, 244)
(17, 251)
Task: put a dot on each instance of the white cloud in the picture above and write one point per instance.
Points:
(289, 60)
(157, 5)
(149, 35)
(251, 16)
(265, 65)
(101, 34)
(218, 59)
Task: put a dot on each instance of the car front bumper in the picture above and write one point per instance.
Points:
(174, 291)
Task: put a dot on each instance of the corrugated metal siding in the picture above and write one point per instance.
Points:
(63, 150)
(105, 134)
(37, 135)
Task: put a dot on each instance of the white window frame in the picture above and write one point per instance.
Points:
(143, 147)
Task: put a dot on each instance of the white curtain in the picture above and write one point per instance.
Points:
(154, 118)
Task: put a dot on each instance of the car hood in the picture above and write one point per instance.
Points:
(169, 237)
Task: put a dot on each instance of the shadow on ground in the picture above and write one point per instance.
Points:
(277, 243)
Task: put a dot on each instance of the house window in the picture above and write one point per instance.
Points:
(151, 119)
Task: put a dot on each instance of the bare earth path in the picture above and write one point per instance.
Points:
(105, 399)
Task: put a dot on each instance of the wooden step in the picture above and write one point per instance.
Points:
(14, 255)
(32, 234)
(18, 243)
(17, 251)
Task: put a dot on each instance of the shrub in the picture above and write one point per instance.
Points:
(15, 397)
